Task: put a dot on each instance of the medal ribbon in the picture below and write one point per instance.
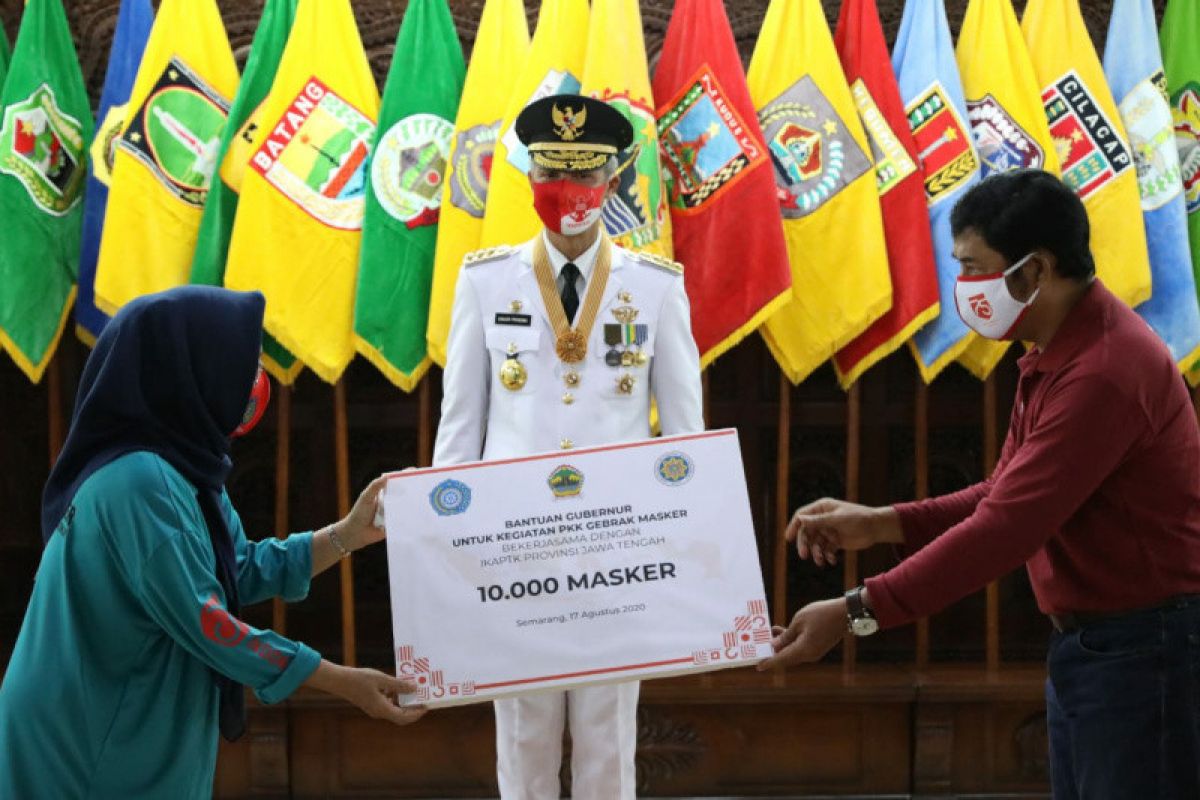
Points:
(572, 342)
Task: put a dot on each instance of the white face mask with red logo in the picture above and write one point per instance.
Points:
(987, 306)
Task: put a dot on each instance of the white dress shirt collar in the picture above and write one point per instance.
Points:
(585, 262)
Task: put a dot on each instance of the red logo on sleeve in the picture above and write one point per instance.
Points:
(220, 626)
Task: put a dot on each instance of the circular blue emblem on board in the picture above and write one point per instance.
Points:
(673, 469)
(450, 497)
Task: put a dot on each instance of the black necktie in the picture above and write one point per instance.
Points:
(570, 295)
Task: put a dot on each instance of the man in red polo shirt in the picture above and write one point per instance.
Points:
(1097, 492)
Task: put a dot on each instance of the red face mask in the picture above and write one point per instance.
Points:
(567, 207)
(260, 398)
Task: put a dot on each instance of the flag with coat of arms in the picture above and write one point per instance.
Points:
(1093, 151)
(724, 210)
(931, 89)
(501, 46)
(1133, 66)
(863, 51)
(824, 183)
(299, 223)
(233, 158)
(615, 71)
(1181, 62)
(1008, 122)
(45, 125)
(164, 162)
(135, 18)
(404, 193)
(554, 66)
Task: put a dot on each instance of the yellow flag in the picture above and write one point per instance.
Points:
(1004, 109)
(1090, 140)
(501, 45)
(299, 223)
(826, 184)
(615, 71)
(554, 66)
(164, 162)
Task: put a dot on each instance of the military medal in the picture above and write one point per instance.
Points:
(571, 347)
(571, 343)
(627, 359)
(612, 338)
(512, 371)
(626, 383)
(515, 306)
(640, 334)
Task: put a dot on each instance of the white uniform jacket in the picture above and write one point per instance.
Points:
(481, 419)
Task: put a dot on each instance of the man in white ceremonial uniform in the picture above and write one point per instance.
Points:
(559, 343)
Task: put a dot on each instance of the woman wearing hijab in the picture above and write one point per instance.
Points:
(131, 656)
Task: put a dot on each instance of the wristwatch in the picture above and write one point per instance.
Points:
(859, 619)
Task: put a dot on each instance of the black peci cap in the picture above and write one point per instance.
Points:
(572, 132)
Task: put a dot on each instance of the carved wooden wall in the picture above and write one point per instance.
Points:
(889, 729)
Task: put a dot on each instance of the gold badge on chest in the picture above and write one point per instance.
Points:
(512, 371)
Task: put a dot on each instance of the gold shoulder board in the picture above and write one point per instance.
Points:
(487, 254)
(661, 262)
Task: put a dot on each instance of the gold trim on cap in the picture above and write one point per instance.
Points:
(569, 162)
(568, 147)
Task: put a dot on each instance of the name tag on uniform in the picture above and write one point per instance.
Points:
(523, 320)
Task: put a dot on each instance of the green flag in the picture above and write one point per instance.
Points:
(4, 54)
(416, 124)
(45, 124)
(236, 149)
(1180, 36)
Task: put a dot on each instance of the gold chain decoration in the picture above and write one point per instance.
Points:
(571, 343)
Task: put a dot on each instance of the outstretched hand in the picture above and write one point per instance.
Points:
(813, 632)
(822, 528)
(359, 528)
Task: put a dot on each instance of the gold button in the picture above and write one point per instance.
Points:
(566, 444)
(571, 378)
(568, 398)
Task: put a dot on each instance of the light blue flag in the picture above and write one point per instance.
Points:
(927, 72)
(134, 20)
(1133, 65)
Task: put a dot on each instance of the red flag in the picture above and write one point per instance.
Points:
(727, 229)
(863, 51)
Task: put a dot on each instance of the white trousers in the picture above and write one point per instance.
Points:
(603, 722)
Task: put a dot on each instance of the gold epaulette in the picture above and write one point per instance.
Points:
(487, 254)
(662, 262)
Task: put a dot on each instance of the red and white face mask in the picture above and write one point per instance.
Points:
(567, 207)
(987, 306)
(260, 398)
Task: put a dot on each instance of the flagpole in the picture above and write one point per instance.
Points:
(989, 463)
(1196, 401)
(54, 411)
(853, 461)
(424, 423)
(342, 463)
(283, 448)
(783, 448)
(704, 398)
(921, 479)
